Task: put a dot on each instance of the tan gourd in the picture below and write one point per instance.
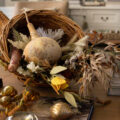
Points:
(61, 111)
(41, 48)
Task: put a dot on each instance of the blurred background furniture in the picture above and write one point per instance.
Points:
(101, 18)
(13, 2)
(59, 6)
(96, 17)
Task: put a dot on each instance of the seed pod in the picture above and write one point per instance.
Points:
(15, 60)
(9, 91)
(5, 100)
(61, 111)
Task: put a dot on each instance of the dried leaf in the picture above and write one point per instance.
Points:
(16, 35)
(77, 97)
(25, 38)
(57, 69)
(82, 42)
(20, 43)
(78, 46)
(17, 44)
(80, 80)
(70, 99)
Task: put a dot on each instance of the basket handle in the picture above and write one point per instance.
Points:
(3, 21)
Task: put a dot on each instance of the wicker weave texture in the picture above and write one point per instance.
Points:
(39, 18)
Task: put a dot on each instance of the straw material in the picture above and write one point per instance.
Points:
(3, 21)
(39, 18)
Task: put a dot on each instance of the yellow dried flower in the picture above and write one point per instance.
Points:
(59, 83)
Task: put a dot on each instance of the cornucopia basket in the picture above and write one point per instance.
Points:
(72, 76)
(42, 18)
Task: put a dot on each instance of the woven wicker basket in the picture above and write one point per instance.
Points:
(39, 18)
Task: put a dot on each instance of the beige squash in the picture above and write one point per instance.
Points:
(41, 48)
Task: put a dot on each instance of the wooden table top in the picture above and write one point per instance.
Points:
(108, 112)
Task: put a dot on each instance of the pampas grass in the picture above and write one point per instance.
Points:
(56, 34)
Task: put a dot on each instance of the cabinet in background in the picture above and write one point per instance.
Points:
(97, 17)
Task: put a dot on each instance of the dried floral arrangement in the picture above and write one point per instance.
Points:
(71, 70)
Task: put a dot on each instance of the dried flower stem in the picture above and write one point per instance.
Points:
(73, 39)
(67, 46)
(26, 16)
(14, 110)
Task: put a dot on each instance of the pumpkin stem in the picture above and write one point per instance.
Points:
(26, 17)
(31, 28)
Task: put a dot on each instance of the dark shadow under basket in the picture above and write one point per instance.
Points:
(39, 18)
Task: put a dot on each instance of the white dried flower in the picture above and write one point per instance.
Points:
(56, 34)
(23, 72)
(81, 44)
(33, 68)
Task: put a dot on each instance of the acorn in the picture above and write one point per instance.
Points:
(61, 111)
(9, 91)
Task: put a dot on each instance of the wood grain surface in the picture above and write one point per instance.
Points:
(108, 112)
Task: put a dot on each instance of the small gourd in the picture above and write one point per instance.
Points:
(9, 91)
(41, 48)
(5, 101)
(61, 111)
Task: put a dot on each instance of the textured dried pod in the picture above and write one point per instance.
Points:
(5, 100)
(15, 59)
(61, 111)
(9, 91)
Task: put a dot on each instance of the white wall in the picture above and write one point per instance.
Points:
(2, 2)
(114, 0)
